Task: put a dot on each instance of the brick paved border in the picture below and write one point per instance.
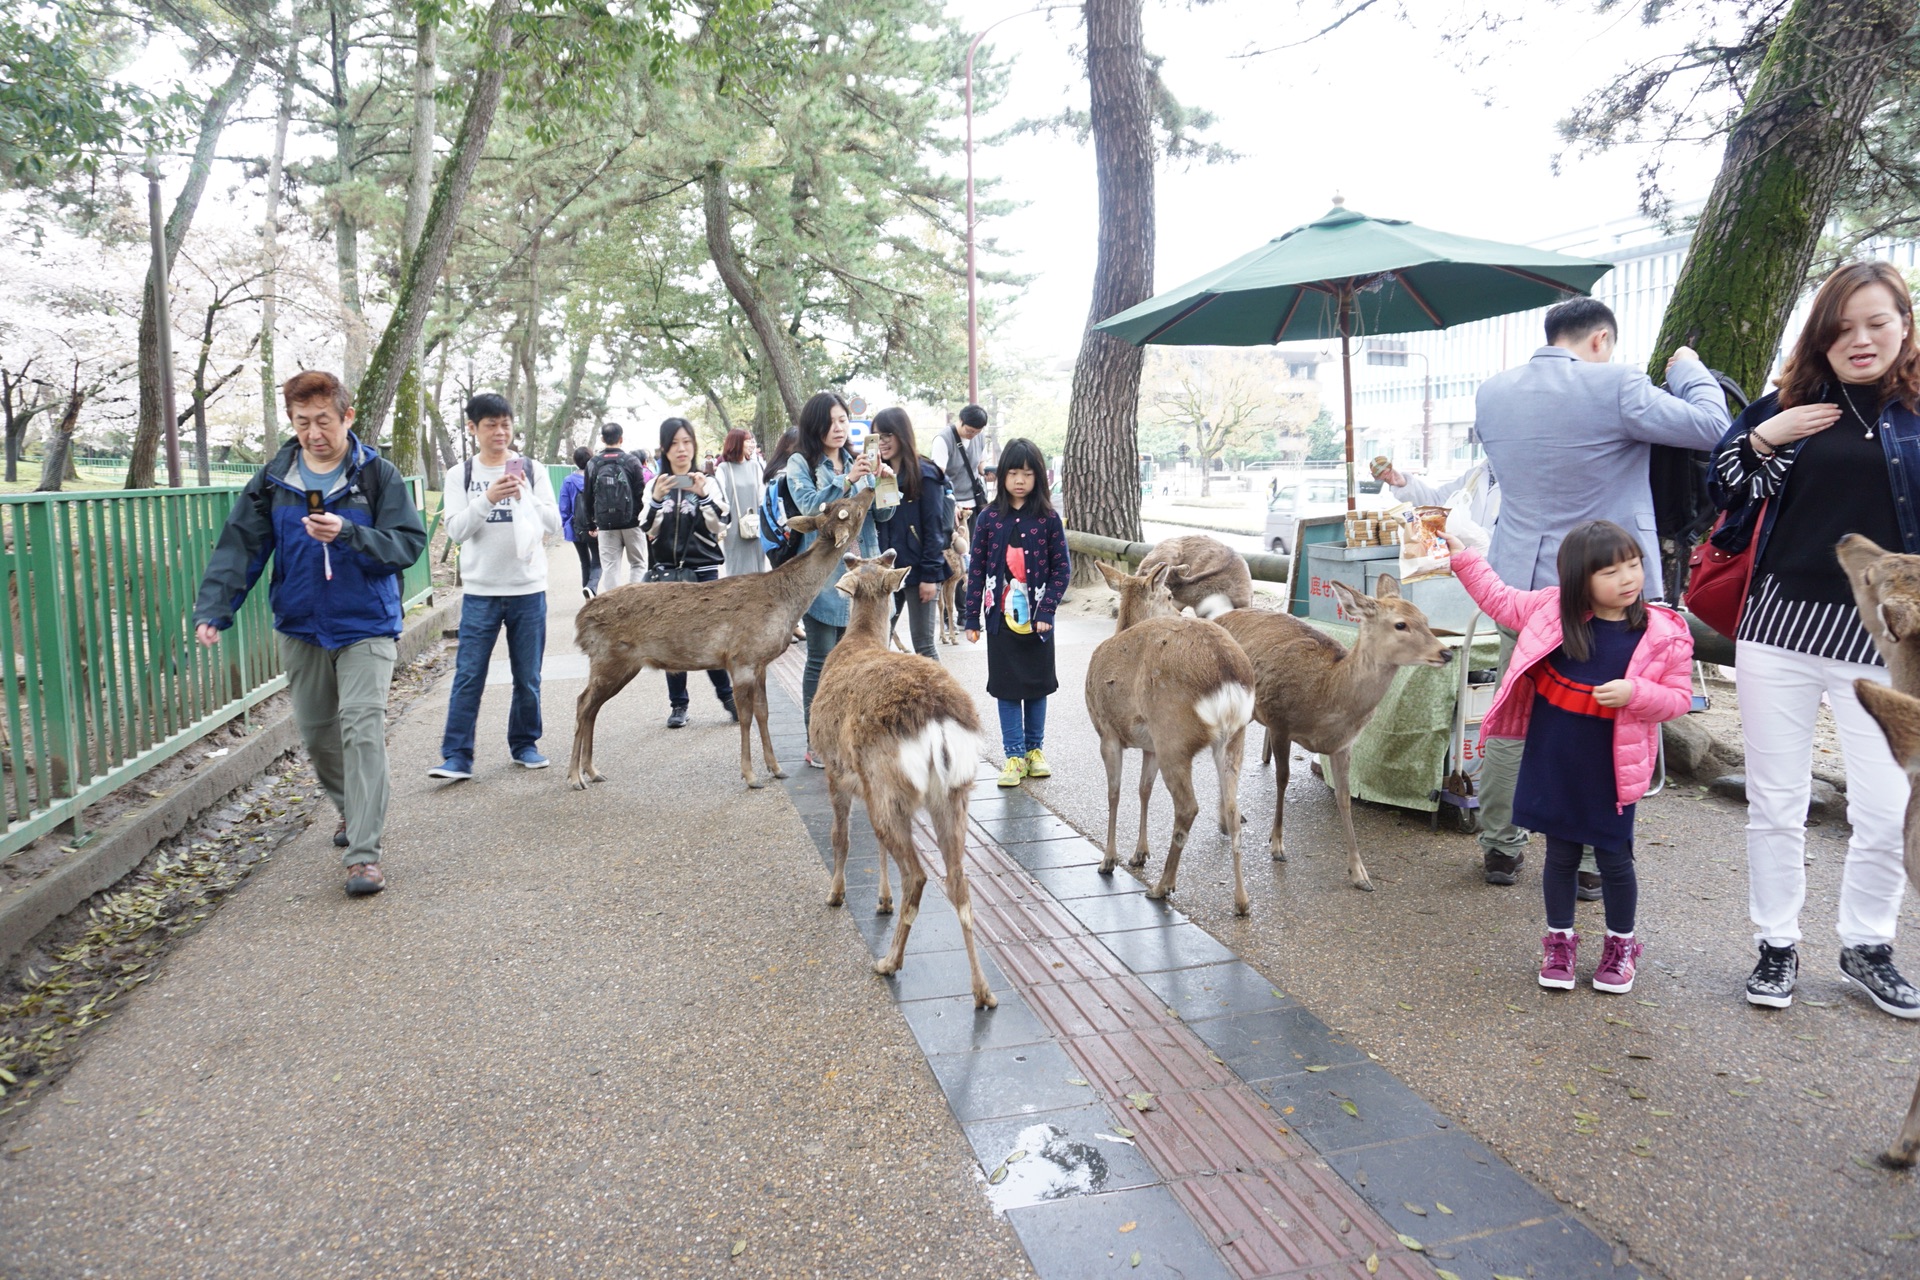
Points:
(1273, 1147)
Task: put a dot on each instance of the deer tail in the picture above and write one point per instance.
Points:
(942, 756)
(1225, 711)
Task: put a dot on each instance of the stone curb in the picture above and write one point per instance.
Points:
(123, 846)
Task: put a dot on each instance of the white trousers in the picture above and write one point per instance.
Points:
(1779, 699)
(623, 557)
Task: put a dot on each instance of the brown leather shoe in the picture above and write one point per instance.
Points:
(364, 878)
(1504, 868)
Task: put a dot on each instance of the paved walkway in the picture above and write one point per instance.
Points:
(620, 1034)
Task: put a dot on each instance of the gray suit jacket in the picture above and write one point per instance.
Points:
(1570, 441)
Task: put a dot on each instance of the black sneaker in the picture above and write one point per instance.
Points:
(1871, 968)
(678, 719)
(1587, 886)
(732, 710)
(1504, 868)
(1771, 982)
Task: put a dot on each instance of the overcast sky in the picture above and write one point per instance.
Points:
(1381, 111)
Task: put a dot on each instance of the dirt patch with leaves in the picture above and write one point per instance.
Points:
(68, 979)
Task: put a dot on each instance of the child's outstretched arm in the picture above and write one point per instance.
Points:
(1507, 606)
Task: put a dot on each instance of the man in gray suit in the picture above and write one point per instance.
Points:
(1569, 435)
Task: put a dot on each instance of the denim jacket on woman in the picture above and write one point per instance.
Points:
(812, 489)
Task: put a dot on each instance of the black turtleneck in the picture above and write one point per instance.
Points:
(1837, 485)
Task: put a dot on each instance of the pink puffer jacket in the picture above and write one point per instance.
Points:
(1661, 671)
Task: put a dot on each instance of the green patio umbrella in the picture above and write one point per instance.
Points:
(1348, 274)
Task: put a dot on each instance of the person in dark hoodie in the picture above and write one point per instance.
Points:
(337, 521)
(919, 531)
(684, 516)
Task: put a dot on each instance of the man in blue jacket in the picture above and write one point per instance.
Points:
(337, 521)
(1570, 436)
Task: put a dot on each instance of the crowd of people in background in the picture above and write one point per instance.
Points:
(1590, 662)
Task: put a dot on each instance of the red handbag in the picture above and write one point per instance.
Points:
(1717, 581)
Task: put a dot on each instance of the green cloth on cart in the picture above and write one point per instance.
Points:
(1400, 758)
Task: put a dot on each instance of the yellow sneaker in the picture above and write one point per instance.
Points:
(1037, 765)
(1015, 770)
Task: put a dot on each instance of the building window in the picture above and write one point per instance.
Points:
(1301, 368)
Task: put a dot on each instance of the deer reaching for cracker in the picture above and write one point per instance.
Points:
(737, 624)
(1311, 689)
(1886, 587)
(902, 730)
(1170, 687)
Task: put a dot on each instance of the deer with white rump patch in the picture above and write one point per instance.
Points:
(739, 625)
(903, 731)
(1208, 576)
(1886, 587)
(1170, 687)
(1311, 689)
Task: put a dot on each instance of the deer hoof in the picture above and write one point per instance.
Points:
(1158, 892)
(754, 784)
(1106, 866)
(778, 772)
(1363, 884)
(1897, 1159)
(884, 907)
(885, 967)
(984, 999)
(1242, 907)
(1279, 855)
(835, 898)
(576, 784)
(1138, 860)
(596, 777)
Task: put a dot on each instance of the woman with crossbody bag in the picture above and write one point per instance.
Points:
(739, 477)
(1833, 451)
(683, 517)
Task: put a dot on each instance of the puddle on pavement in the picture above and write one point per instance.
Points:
(1054, 1166)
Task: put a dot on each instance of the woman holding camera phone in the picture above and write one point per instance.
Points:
(683, 518)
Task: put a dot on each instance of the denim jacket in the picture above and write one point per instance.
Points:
(813, 488)
(1740, 479)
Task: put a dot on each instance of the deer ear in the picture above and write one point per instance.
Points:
(1113, 576)
(1162, 572)
(886, 558)
(897, 578)
(1387, 588)
(851, 560)
(803, 524)
(1352, 601)
(846, 584)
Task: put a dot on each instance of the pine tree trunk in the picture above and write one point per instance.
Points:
(270, 240)
(417, 282)
(346, 227)
(1100, 489)
(1785, 158)
(213, 119)
(59, 457)
(775, 345)
(410, 405)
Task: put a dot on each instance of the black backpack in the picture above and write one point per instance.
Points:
(779, 542)
(1682, 511)
(613, 501)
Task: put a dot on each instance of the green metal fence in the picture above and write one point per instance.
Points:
(104, 679)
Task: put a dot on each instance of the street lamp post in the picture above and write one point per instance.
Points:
(973, 313)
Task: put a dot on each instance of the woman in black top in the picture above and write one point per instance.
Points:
(1834, 451)
(917, 534)
(684, 517)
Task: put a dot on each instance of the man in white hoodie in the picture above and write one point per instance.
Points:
(500, 508)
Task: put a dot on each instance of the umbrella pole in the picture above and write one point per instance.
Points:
(1346, 389)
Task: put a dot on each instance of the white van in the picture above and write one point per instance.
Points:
(1305, 496)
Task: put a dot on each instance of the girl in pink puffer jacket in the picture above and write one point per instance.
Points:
(1594, 671)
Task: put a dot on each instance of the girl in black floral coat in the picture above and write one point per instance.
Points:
(1020, 546)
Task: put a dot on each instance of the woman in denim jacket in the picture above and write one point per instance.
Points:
(821, 470)
(1834, 451)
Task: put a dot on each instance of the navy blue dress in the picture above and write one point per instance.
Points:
(1567, 786)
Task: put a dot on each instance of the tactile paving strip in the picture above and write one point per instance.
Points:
(1270, 1147)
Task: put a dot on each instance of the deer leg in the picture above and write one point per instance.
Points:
(949, 815)
(760, 703)
(1282, 751)
(1226, 761)
(842, 799)
(894, 826)
(1356, 870)
(1901, 1154)
(602, 684)
(883, 905)
(1114, 756)
(1178, 772)
(1149, 767)
(746, 697)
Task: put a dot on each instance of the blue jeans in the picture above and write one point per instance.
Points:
(481, 618)
(1023, 725)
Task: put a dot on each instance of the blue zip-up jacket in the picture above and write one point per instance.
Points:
(1740, 479)
(570, 505)
(383, 536)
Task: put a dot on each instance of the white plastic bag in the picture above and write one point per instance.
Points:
(1423, 552)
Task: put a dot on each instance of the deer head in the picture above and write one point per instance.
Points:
(1142, 595)
(870, 578)
(1393, 631)
(1886, 587)
(837, 523)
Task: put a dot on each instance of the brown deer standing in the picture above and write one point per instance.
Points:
(903, 730)
(1171, 687)
(1886, 587)
(956, 580)
(1208, 576)
(1311, 689)
(737, 624)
